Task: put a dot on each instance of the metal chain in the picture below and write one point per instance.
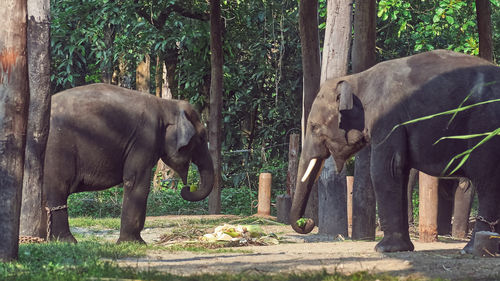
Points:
(49, 217)
(491, 224)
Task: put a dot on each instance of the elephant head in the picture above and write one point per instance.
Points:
(336, 127)
(186, 140)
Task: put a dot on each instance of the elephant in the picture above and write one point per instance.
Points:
(370, 108)
(102, 135)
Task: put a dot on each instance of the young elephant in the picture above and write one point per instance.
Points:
(353, 111)
(103, 135)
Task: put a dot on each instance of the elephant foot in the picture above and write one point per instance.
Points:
(130, 238)
(395, 242)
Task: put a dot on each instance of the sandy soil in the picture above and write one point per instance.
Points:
(319, 252)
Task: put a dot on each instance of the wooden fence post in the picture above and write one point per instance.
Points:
(428, 203)
(264, 207)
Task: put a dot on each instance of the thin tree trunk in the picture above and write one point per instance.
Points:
(158, 75)
(215, 123)
(163, 172)
(142, 75)
(33, 216)
(363, 57)
(311, 69)
(311, 64)
(483, 12)
(14, 97)
(334, 64)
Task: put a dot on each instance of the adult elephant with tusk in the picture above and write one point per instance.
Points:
(103, 135)
(374, 107)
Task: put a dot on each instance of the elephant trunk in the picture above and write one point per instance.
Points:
(305, 181)
(203, 161)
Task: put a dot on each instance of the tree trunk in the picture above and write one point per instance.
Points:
(215, 123)
(335, 64)
(107, 69)
(483, 12)
(311, 65)
(142, 75)
(158, 75)
(311, 69)
(363, 57)
(338, 33)
(14, 97)
(428, 198)
(33, 220)
(163, 172)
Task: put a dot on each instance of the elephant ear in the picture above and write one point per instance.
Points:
(351, 112)
(345, 95)
(185, 130)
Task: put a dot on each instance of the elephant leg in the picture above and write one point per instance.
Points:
(58, 225)
(135, 195)
(488, 217)
(390, 178)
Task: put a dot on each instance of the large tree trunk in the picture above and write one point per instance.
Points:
(363, 57)
(311, 69)
(215, 122)
(483, 12)
(14, 97)
(335, 64)
(33, 216)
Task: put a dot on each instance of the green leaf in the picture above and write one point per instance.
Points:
(450, 20)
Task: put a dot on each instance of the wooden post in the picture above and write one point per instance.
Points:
(350, 182)
(293, 164)
(264, 207)
(428, 198)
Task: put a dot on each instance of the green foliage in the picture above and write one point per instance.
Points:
(107, 203)
(407, 27)
(101, 204)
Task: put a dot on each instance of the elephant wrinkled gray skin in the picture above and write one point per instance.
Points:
(356, 110)
(103, 135)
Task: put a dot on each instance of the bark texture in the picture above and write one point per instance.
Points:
(363, 57)
(33, 214)
(335, 64)
(215, 123)
(14, 98)
(483, 12)
(311, 69)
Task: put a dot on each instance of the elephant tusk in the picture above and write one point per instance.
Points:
(309, 169)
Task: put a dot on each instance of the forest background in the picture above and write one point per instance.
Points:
(133, 42)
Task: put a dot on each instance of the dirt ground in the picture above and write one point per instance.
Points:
(312, 252)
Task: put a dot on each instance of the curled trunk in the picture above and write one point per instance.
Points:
(203, 161)
(308, 173)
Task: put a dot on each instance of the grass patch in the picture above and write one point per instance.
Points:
(100, 223)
